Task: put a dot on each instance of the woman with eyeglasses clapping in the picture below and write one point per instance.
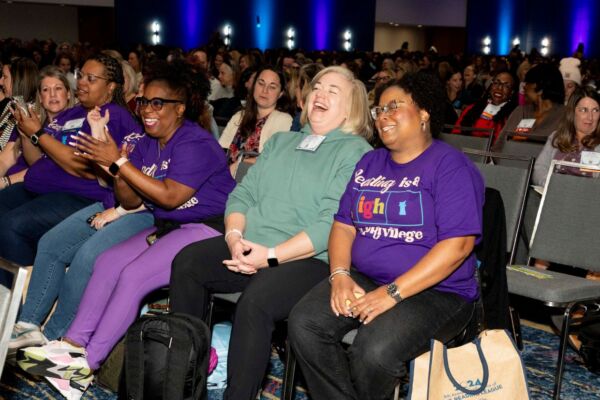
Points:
(179, 173)
(61, 183)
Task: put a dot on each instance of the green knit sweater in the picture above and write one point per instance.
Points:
(289, 191)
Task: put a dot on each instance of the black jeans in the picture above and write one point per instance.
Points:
(26, 216)
(268, 296)
(376, 360)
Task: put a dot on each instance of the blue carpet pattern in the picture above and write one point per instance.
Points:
(539, 355)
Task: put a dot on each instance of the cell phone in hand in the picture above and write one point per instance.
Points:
(18, 101)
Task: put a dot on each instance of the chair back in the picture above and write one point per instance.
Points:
(520, 149)
(462, 142)
(243, 166)
(566, 227)
(10, 300)
(513, 183)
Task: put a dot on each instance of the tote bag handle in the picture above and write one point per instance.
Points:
(486, 371)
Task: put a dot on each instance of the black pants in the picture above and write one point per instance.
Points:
(377, 358)
(268, 296)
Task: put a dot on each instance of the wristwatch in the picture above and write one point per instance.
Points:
(35, 138)
(114, 167)
(392, 291)
(271, 258)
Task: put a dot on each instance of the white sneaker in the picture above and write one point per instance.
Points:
(71, 390)
(25, 334)
(57, 359)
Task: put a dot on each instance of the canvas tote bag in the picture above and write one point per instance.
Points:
(488, 368)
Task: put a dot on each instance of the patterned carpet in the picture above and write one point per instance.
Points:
(539, 356)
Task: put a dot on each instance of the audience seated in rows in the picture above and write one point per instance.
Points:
(178, 172)
(60, 183)
(282, 212)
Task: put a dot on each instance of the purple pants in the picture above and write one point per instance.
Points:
(123, 275)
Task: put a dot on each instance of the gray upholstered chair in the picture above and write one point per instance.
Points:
(462, 142)
(512, 182)
(566, 232)
(10, 300)
(528, 148)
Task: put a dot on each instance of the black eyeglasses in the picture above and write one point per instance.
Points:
(503, 85)
(156, 103)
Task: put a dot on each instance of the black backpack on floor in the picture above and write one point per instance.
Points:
(166, 358)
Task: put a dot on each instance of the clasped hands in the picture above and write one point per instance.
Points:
(246, 257)
(351, 300)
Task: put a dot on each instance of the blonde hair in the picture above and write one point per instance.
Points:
(132, 78)
(52, 71)
(358, 121)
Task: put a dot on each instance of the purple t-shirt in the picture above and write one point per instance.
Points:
(193, 158)
(400, 211)
(21, 164)
(46, 176)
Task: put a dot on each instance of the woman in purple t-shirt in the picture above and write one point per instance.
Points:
(60, 183)
(406, 224)
(54, 96)
(179, 172)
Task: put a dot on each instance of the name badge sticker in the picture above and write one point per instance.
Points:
(311, 143)
(489, 112)
(590, 158)
(525, 125)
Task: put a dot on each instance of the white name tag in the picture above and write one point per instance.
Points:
(525, 125)
(311, 143)
(492, 109)
(73, 124)
(590, 158)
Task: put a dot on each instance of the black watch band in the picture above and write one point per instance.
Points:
(35, 138)
(271, 258)
(116, 166)
(114, 169)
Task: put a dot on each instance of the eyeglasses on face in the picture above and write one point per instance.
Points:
(390, 107)
(503, 85)
(91, 78)
(156, 103)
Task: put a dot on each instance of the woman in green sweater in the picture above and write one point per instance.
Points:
(277, 223)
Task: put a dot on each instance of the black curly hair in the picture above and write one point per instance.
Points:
(428, 94)
(114, 73)
(193, 87)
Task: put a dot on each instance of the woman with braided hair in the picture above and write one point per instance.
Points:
(179, 173)
(61, 183)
